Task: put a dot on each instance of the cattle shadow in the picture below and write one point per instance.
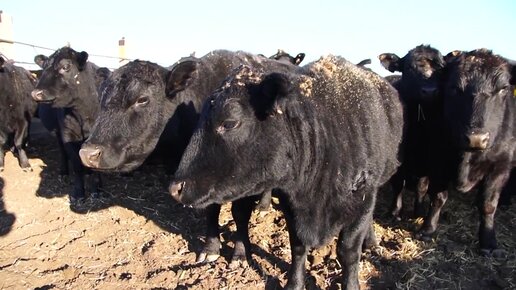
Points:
(6, 219)
(44, 145)
(144, 192)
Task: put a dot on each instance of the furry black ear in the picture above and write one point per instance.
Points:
(391, 62)
(2, 61)
(267, 96)
(512, 67)
(299, 58)
(40, 60)
(452, 56)
(364, 62)
(180, 76)
(82, 59)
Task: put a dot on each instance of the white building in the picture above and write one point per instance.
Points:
(6, 34)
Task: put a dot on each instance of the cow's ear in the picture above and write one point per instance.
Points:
(40, 60)
(269, 94)
(391, 62)
(82, 59)
(180, 77)
(299, 58)
(513, 75)
(452, 56)
(2, 61)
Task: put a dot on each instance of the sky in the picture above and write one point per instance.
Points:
(165, 31)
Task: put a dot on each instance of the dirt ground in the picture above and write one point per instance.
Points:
(136, 237)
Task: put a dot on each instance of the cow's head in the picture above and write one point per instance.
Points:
(287, 58)
(137, 101)
(238, 148)
(60, 78)
(478, 88)
(421, 70)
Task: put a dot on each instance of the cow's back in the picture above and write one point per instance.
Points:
(365, 113)
(15, 95)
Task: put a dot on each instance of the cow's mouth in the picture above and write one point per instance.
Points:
(41, 97)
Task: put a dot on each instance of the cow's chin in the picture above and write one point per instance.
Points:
(199, 202)
(45, 101)
(214, 196)
(123, 167)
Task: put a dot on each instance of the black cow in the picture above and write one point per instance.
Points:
(68, 82)
(424, 150)
(146, 107)
(324, 137)
(283, 56)
(480, 111)
(50, 116)
(16, 109)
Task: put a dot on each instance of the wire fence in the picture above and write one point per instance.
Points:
(52, 49)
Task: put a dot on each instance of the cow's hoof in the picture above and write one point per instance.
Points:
(95, 195)
(494, 253)
(392, 216)
(423, 236)
(77, 200)
(206, 258)
(238, 261)
(263, 207)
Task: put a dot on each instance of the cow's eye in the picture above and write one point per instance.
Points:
(66, 67)
(230, 124)
(142, 101)
(502, 91)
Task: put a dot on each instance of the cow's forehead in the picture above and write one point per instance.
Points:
(426, 56)
(58, 55)
(141, 70)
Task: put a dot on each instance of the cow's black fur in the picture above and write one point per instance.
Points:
(50, 116)
(16, 111)
(424, 150)
(479, 101)
(146, 107)
(324, 137)
(68, 82)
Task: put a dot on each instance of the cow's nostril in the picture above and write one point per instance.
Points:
(175, 189)
(37, 95)
(479, 141)
(90, 157)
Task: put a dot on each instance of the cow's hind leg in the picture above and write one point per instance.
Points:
(398, 187)
(20, 136)
(349, 249)
(437, 201)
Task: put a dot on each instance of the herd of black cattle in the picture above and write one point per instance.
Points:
(323, 138)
